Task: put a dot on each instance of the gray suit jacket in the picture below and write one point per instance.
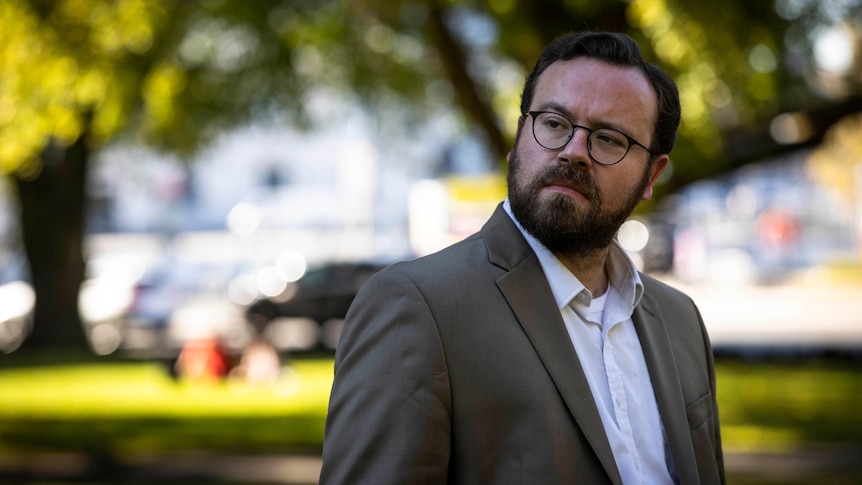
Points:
(457, 368)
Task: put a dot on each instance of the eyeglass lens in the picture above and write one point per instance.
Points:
(553, 131)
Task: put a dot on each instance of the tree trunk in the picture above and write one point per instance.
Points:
(467, 92)
(52, 227)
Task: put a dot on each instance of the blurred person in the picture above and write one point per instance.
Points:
(533, 351)
(202, 360)
(259, 365)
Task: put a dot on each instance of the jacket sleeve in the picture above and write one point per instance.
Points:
(716, 425)
(389, 411)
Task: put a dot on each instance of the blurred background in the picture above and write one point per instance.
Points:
(193, 191)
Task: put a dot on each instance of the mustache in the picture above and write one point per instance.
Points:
(580, 179)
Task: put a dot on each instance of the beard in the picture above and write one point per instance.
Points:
(560, 223)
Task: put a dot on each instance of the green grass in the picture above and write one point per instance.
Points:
(778, 406)
(120, 408)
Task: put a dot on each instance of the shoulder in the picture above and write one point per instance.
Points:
(675, 308)
(671, 304)
(496, 249)
(664, 293)
(462, 259)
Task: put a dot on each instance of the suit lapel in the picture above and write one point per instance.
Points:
(527, 291)
(665, 378)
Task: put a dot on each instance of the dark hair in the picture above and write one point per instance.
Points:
(618, 50)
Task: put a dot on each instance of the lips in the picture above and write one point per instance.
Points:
(569, 187)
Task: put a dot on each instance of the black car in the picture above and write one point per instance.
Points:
(309, 313)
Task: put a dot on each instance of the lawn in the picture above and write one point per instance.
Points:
(781, 405)
(119, 408)
(138, 407)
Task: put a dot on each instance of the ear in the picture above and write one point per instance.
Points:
(517, 137)
(657, 166)
(521, 120)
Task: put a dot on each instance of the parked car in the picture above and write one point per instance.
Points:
(17, 300)
(150, 315)
(309, 313)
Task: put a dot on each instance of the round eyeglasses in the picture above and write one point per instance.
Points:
(606, 145)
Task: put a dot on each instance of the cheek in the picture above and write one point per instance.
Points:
(528, 161)
(517, 165)
(617, 188)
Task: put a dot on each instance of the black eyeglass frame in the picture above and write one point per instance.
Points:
(589, 131)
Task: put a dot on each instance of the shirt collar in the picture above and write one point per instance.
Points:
(565, 286)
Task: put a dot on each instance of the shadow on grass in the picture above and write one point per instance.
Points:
(229, 450)
(104, 436)
(187, 468)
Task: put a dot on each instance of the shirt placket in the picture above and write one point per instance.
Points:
(619, 400)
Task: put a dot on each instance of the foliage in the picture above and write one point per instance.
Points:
(65, 61)
(178, 72)
(738, 64)
(174, 73)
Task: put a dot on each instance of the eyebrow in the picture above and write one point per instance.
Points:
(552, 106)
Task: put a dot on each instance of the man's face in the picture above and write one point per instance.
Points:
(565, 199)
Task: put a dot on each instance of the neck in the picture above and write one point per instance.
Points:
(589, 269)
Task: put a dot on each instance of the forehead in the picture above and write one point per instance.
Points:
(595, 91)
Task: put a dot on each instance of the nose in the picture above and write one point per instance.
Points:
(576, 151)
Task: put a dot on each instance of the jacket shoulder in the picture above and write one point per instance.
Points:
(664, 292)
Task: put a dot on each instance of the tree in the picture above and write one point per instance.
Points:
(68, 72)
(738, 64)
(76, 75)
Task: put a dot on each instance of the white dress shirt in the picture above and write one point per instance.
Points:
(605, 339)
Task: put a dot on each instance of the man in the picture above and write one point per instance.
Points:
(533, 352)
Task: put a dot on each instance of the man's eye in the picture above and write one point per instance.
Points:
(555, 124)
(610, 139)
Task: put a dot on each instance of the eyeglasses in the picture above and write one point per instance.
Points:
(606, 145)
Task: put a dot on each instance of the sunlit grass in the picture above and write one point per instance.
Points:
(128, 407)
(120, 408)
(146, 390)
